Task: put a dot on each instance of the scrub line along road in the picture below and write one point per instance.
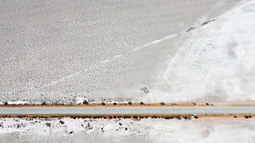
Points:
(111, 110)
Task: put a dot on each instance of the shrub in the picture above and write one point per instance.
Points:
(114, 117)
(135, 117)
(5, 103)
(250, 116)
(103, 103)
(141, 103)
(207, 103)
(178, 117)
(185, 117)
(110, 117)
(154, 116)
(235, 117)
(85, 102)
(130, 103)
(195, 117)
(141, 117)
(118, 116)
(246, 116)
(44, 103)
(171, 117)
(162, 103)
(114, 103)
(166, 117)
(125, 116)
(146, 116)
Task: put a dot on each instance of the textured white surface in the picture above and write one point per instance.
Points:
(216, 64)
(147, 130)
(63, 51)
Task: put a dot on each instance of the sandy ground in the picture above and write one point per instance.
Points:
(126, 130)
(65, 51)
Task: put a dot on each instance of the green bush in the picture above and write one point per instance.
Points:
(5, 103)
(162, 103)
(141, 103)
(185, 117)
(195, 116)
(246, 116)
(235, 117)
(135, 117)
(114, 103)
(130, 103)
(154, 116)
(110, 117)
(114, 117)
(166, 117)
(125, 116)
(207, 103)
(44, 103)
(103, 103)
(85, 102)
(178, 117)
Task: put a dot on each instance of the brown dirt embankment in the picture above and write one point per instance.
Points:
(238, 115)
(133, 105)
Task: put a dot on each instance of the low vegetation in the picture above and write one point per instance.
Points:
(247, 116)
(136, 117)
(85, 102)
(162, 103)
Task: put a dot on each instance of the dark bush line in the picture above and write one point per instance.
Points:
(85, 102)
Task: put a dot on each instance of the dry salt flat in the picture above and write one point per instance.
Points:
(66, 51)
(215, 64)
(234, 130)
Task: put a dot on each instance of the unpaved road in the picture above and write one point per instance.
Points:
(107, 110)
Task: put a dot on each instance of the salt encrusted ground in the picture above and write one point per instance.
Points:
(215, 64)
(126, 130)
(64, 51)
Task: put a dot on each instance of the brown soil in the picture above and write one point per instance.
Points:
(127, 105)
(143, 114)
